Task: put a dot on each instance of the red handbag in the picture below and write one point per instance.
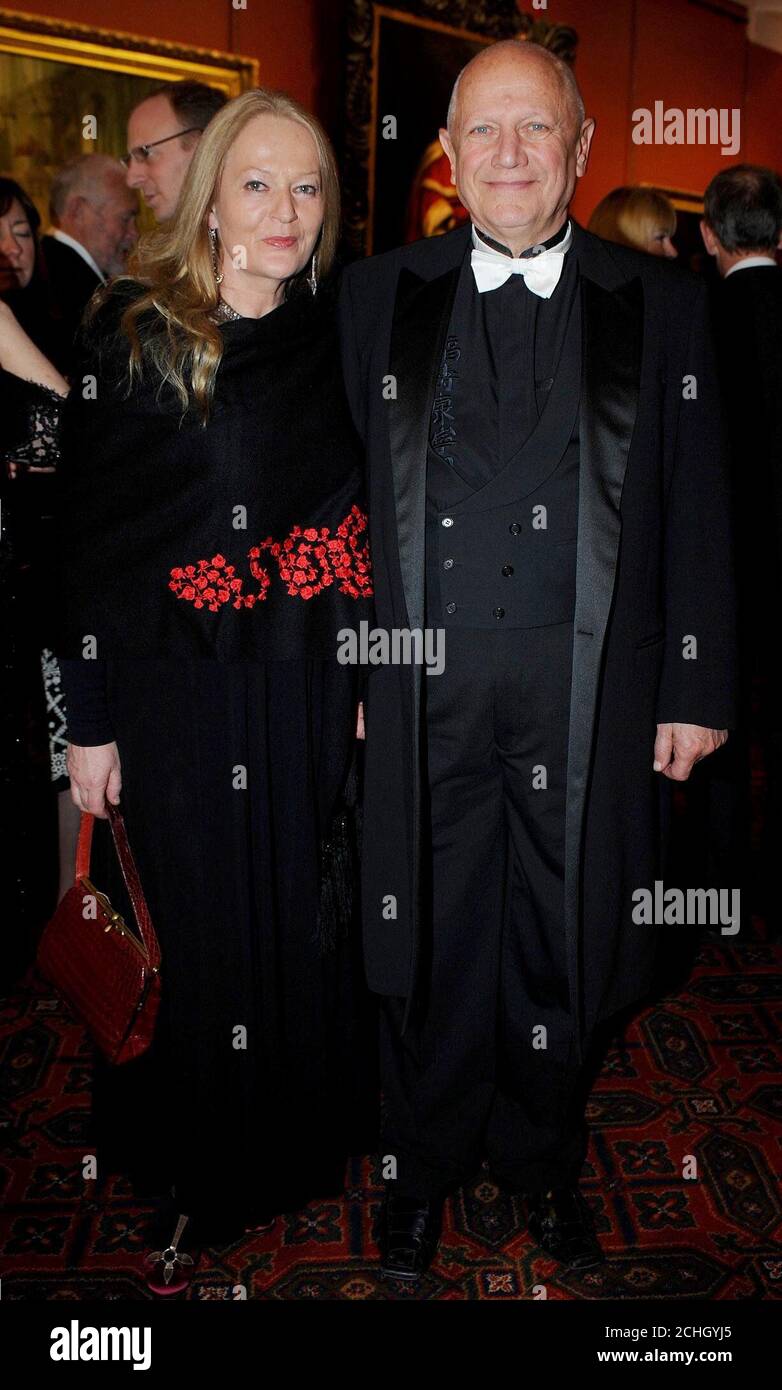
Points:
(108, 973)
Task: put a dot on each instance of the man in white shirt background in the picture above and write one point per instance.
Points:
(740, 225)
(742, 230)
(93, 215)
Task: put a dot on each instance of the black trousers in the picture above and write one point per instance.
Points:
(486, 1066)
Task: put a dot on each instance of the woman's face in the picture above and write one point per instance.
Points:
(17, 248)
(660, 243)
(268, 210)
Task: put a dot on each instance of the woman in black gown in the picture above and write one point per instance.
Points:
(31, 389)
(214, 546)
(32, 724)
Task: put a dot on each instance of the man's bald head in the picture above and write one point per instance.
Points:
(518, 140)
(518, 54)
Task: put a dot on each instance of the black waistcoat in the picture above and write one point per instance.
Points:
(503, 458)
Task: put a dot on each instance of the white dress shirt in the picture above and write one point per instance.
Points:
(747, 261)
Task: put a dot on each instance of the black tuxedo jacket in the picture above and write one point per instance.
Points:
(72, 283)
(654, 620)
(748, 323)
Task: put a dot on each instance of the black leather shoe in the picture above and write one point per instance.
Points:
(409, 1232)
(561, 1223)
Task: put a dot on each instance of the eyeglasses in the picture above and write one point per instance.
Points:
(141, 152)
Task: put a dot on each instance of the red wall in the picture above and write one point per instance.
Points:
(630, 54)
(279, 33)
(761, 107)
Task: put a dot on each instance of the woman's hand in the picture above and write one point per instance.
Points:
(95, 775)
(360, 721)
(13, 469)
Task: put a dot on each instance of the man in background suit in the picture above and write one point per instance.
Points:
(741, 228)
(93, 216)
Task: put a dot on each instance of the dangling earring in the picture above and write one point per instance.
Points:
(312, 278)
(217, 273)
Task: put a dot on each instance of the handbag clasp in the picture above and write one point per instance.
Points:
(116, 921)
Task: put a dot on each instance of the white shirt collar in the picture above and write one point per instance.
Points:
(747, 261)
(481, 245)
(80, 250)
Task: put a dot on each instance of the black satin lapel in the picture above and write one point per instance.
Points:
(420, 324)
(612, 328)
(612, 345)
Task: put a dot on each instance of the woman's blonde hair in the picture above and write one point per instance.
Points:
(179, 340)
(633, 216)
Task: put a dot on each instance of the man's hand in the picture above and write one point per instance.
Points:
(360, 732)
(95, 775)
(678, 747)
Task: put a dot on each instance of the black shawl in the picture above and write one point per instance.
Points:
(243, 540)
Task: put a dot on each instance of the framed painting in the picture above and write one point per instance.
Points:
(53, 75)
(402, 62)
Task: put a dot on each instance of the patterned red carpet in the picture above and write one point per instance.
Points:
(697, 1075)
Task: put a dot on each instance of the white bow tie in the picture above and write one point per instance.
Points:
(491, 268)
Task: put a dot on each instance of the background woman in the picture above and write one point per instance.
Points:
(24, 283)
(638, 217)
(32, 743)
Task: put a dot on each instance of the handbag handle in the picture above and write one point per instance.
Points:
(129, 873)
(83, 847)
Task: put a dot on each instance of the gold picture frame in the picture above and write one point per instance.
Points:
(54, 40)
(406, 36)
(53, 73)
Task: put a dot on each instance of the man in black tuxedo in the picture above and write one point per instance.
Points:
(93, 216)
(742, 230)
(545, 489)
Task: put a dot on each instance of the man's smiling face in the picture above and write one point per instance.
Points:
(516, 147)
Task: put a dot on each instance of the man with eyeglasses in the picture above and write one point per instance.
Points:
(163, 131)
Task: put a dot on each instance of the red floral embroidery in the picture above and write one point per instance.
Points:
(304, 567)
(308, 561)
(351, 558)
(211, 583)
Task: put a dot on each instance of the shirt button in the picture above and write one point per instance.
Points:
(447, 521)
(499, 612)
(450, 607)
(447, 564)
(507, 570)
(514, 528)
